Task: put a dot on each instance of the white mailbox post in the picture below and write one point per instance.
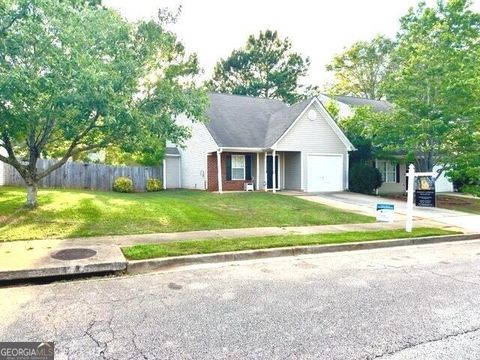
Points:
(411, 183)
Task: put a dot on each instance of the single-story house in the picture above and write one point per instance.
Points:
(393, 171)
(263, 143)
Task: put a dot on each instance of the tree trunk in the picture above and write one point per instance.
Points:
(32, 195)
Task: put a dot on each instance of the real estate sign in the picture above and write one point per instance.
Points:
(425, 191)
(385, 212)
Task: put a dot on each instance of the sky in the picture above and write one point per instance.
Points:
(318, 29)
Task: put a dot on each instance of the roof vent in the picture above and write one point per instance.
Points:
(312, 115)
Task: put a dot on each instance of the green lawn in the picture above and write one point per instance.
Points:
(177, 248)
(77, 213)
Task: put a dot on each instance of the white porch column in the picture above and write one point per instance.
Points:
(257, 178)
(164, 174)
(265, 170)
(302, 187)
(274, 172)
(219, 171)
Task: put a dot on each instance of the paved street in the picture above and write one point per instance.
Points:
(399, 303)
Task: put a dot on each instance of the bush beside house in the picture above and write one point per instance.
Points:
(364, 179)
(154, 185)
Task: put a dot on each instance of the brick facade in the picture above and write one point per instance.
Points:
(227, 185)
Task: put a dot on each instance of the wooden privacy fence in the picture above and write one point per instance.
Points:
(79, 175)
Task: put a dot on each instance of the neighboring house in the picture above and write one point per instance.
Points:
(263, 142)
(393, 172)
(347, 104)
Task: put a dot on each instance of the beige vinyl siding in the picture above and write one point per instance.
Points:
(261, 169)
(293, 168)
(314, 137)
(194, 154)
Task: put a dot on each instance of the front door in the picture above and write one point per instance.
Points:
(270, 172)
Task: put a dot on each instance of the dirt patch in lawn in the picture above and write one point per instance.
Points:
(448, 202)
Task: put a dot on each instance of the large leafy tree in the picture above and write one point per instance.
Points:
(265, 67)
(360, 128)
(434, 85)
(361, 69)
(76, 77)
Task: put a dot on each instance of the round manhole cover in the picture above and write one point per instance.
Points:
(74, 254)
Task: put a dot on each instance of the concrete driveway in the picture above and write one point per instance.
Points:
(366, 204)
(398, 304)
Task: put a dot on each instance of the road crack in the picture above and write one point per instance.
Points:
(414, 345)
(450, 277)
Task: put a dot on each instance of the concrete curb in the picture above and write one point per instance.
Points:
(39, 263)
(63, 271)
(150, 265)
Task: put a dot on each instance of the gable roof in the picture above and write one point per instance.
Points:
(376, 105)
(239, 121)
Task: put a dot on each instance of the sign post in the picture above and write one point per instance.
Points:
(411, 178)
(411, 183)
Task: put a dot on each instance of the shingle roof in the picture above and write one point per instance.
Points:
(376, 105)
(245, 121)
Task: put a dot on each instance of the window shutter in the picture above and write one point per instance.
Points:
(229, 167)
(398, 173)
(373, 164)
(248, 167)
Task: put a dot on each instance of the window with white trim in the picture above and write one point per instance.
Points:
(388, 171)
(238, 167)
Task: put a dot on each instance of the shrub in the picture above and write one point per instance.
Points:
(471, 189)
(364, 179)
(123, 184)
(154, 185)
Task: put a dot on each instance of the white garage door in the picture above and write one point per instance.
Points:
(324, 173)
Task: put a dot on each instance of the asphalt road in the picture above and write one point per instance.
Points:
(399, 303)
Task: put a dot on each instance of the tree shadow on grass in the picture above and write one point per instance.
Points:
(85, 216)
(13, 207)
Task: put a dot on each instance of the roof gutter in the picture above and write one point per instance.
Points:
(241, 149)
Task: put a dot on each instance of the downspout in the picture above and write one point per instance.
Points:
(164, 173)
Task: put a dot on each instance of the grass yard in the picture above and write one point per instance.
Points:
(78, 213)
(178, 248)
